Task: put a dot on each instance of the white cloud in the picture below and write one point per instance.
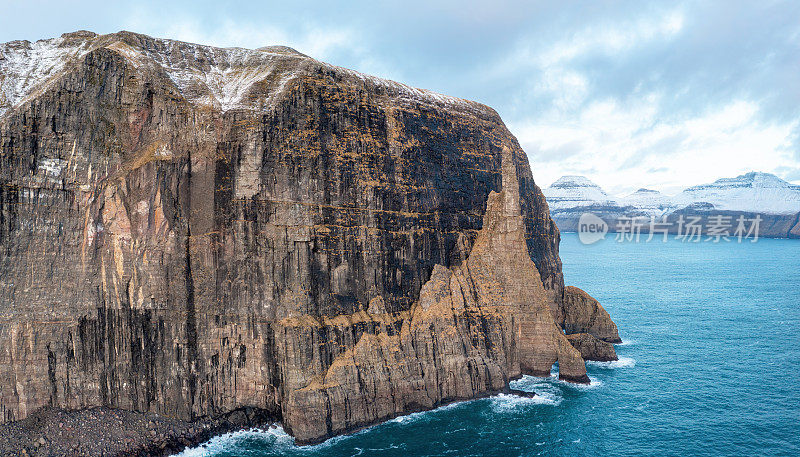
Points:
(625, 147)
(568, 88)
(636, 141)
(608, 39)
(611, 39)
(320, 43)
(336, 45)
(558, 92)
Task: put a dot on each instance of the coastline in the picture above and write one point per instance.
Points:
(506, 390)
(121, 433)
(115, 432)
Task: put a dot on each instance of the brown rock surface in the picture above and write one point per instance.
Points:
(592, 348)
(580, 313)
(188, 230)
(456, 342)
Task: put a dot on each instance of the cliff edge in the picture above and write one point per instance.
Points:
(188, 230)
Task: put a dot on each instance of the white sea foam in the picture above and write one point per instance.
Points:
(623, 362)
(413, 417)
(274, 435)
(626, 342)
(504, 403)
(542, 385)
(549, 392)
(531, 383)
(546, 389)
(594, 383)
(408, 418)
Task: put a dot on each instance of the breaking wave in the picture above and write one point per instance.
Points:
(413, 417)
(504, 403)
(549, 392)
(623, 362)
(273, 436)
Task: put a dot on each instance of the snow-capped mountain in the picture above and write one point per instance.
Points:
(649, 201)
(575, 191)
(752, 192)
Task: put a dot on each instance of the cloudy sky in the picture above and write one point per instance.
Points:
(661, 96)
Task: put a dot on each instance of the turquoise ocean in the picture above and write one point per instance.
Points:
(709, 366)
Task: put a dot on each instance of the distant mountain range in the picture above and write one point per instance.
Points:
(774, 201)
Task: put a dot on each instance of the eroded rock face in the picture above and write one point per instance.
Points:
(189, 230)
(580, 313)
(592, 348)
(474, 327)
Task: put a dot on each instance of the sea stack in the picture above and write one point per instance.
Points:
(188, 231)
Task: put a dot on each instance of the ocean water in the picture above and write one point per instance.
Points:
(710, 366)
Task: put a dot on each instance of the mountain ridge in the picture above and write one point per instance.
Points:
(749, 194)
(212, 75)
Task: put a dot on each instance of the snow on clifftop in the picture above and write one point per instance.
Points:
(224, 78)
(26, 67)
(217, 77)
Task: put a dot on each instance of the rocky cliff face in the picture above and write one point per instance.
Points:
(188, 230)
(580, 313)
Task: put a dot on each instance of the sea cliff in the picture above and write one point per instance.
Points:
(188, 231)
